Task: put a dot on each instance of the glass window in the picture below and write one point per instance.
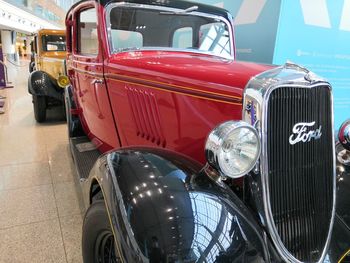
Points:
(87, 32)
(154, 29)
(123, 39)
(54, 43)
(215, 38)
(183, 38)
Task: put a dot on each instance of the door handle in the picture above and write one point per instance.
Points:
(94, 82)
(97, 81)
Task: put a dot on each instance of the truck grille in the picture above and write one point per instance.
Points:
(300, 175)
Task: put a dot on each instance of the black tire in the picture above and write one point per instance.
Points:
(97, 239)
(64, 111)
(39, 104)
(73, 122)
(31, 67)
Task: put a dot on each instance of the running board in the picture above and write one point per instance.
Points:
(84, 155)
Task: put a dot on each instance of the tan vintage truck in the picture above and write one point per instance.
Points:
(47, 77)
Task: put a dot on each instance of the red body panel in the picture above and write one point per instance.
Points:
(154, 98)
(173, 100)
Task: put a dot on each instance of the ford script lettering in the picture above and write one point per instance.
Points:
(301, 133)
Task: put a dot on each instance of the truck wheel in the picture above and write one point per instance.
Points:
(64, 111)
(39, 104)
(73, 122)
(98, 243)
(31, 67)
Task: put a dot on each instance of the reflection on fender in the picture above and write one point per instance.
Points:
(345, 258)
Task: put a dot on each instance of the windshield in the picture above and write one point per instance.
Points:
(54, 43)
(134, 27)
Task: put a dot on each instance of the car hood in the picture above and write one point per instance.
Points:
(197, 69)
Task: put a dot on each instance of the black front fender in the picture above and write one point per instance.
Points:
(163, 208)
(41, 84)
(340, 242)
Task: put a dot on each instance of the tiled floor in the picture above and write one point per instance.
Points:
(40, 213)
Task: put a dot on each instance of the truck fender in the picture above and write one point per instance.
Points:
(41, 84)
(163, 205)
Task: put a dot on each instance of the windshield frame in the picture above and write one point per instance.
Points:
(229, 26)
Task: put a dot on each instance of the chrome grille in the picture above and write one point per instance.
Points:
(300, 176)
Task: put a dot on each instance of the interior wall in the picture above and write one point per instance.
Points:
(255, 27)
(316, 34)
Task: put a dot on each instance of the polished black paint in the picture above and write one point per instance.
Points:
(73, 122)
(343, 190)
(340, 242)
(163, 206)
(41, 84)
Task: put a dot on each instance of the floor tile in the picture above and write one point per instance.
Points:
(24, 175)
(71, 230)
(27, 205)
(62, 171)
(61, 163)
(67, 199)
(54, 132)
(37, 182)
(35, 243)
(21, 146)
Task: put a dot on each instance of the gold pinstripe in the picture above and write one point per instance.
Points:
(177, 92)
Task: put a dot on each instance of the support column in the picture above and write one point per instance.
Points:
(8, 42)
(28, 47)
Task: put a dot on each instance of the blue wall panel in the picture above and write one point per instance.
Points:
(255, 27)
(316, 34)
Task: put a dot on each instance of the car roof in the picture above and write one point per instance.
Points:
(180, 4)
(46, 31)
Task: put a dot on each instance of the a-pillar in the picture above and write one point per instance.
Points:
(8, 43)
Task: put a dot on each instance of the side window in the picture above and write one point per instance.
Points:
(125, 39)
(183, 38)
(87, 32)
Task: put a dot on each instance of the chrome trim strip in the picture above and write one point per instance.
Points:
(168, 9)
(91, 73)
(283, 251)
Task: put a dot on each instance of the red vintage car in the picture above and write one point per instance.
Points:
(187, 155)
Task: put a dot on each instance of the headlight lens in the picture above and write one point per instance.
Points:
(63, 81)
(233, 148)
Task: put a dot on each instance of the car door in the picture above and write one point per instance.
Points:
(88, 64)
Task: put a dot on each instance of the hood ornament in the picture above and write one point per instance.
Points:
(310, 77)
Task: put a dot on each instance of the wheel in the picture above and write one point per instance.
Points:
(73, 122)
(31, 67)
(64, 112)
(39, 104)
(98, 243)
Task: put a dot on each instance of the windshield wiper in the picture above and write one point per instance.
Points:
(181, 12)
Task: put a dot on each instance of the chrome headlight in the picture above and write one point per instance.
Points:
(63, 81)
(233, 148)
